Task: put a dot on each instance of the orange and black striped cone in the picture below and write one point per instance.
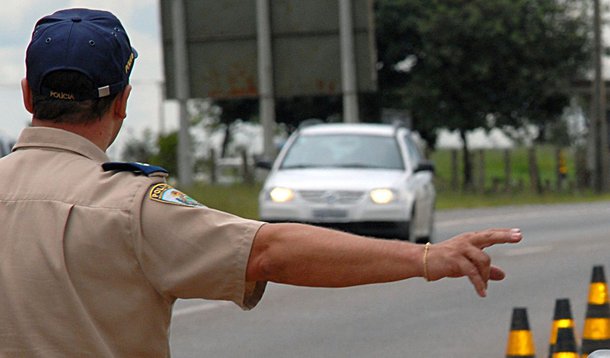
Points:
(562, 318)
(596, 332)
(566, 344)
(520, 339)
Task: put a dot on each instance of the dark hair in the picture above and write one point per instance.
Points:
(65, 110)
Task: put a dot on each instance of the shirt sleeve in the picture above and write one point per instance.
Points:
(190, 251)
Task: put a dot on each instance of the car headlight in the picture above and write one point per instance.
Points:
(382, 196)
(281, 195)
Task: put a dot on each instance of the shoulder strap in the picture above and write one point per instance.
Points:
(134, 167)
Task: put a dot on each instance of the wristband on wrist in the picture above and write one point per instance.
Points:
(426, 249)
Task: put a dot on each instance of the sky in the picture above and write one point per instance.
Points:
(141, 19)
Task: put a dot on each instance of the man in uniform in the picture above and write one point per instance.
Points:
(94, 253)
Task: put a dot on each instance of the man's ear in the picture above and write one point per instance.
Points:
(26, 92)
(120, 102)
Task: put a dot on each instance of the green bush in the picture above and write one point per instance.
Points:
(238, 199)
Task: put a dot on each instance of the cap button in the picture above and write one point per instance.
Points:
(76, 19)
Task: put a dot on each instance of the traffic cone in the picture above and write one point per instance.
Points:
(596, 332)
(520, 339)
(562, 318)
(566, 344)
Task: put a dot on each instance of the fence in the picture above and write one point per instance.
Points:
(538, 168)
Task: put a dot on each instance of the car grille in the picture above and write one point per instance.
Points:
(331, 197)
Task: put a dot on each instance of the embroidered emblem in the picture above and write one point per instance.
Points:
(167, 194)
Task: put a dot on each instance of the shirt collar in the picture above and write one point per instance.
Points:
(53, 138)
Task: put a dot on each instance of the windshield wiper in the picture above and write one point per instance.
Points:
(358, 165)
(299, 166)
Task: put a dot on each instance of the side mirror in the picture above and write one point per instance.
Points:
(264, 164)
(424, 166)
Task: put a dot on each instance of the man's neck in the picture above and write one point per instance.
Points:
(97, 132)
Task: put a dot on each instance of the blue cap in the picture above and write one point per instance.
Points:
(92, 42)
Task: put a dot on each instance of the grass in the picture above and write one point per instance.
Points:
(238, 199)
(494, 166)
(242, 199)
(519, 191)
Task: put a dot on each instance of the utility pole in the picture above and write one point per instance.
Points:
(185, 166)
(600, 126)
(265, 77)
(348, 62)
(161, 87)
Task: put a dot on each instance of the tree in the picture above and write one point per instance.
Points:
(167, 156)
(161, 150)
(465, 64)
(292, 111)
(214, 115)
(139, 150)
(222, 114)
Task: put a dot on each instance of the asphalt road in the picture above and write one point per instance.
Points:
(414, 318)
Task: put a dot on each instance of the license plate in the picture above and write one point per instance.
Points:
(329, 214)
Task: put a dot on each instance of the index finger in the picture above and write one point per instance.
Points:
(497, 236)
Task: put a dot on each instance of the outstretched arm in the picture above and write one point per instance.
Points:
(306, 255)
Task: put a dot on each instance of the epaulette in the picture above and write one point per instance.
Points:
(134, 167)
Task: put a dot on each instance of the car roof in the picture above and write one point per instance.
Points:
(349, 128)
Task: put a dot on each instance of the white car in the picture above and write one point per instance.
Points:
(369, 179)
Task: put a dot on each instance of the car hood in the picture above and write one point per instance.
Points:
(329, 178)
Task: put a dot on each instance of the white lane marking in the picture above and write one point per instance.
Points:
(206, 306)
(500, 217)
(525, 213)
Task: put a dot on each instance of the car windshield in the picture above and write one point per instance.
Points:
(344, 151)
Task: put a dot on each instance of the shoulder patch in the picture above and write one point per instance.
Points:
(134, 167)
(167, 194)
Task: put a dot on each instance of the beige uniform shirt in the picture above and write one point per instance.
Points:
(91, 261)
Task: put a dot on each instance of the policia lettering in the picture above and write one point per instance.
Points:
(167, 194)
(62, 95)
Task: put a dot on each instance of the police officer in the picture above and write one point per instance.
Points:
(94, 253)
